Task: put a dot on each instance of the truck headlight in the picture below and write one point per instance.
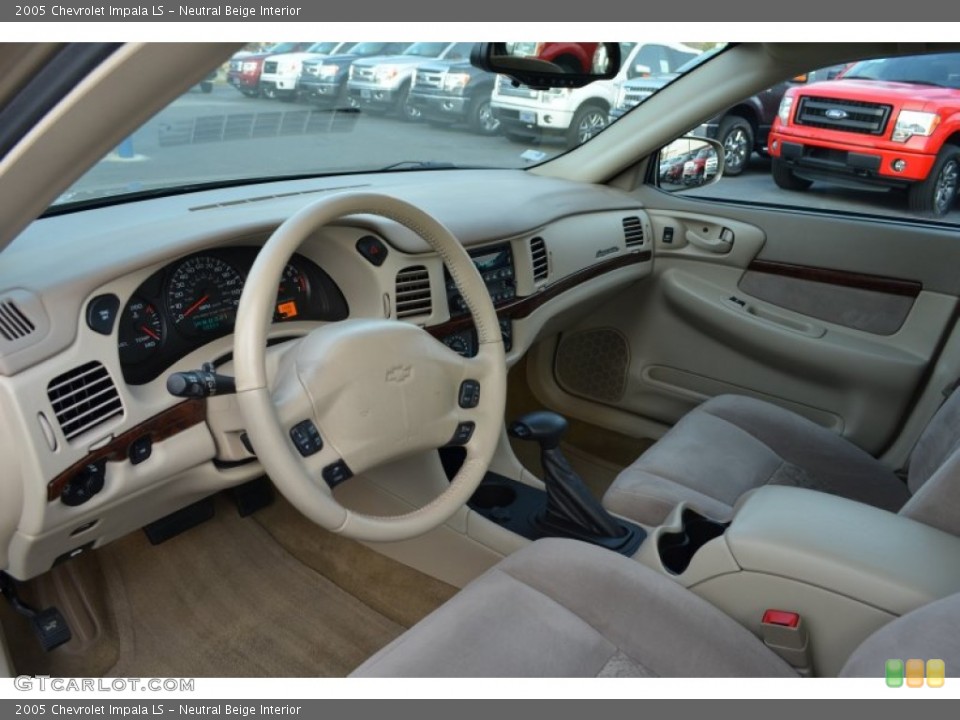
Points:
(249, 67)
(786, 106)
(455, 82)
(556, 95)
(387, 72)
(912, 122)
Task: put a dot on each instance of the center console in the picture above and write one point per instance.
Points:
(845, 567)
(496, 267)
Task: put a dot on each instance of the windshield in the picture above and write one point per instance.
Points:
(348, 114)
(942, 70)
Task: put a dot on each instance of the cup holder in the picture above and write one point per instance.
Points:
(493, 495)
(678, 548)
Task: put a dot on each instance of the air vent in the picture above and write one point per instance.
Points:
(84, 398)
(538, 254)
(632, 232)
(413, 292)
(13, 323)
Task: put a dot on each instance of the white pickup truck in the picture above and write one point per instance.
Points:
(280, 73)
(577, 115)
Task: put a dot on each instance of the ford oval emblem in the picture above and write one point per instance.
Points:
(836, 114)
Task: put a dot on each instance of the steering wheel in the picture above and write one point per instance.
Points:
(359, 393)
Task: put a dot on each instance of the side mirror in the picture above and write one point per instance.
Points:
(549, 65)
(688, 163)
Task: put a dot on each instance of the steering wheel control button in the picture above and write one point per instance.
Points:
(374, 251)
(463, 433)
(102, 313)
(84, 485)
(469, 394)
(336, 473)
(140, 449)
(307, 438)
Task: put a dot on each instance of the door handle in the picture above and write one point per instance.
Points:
(721, 245)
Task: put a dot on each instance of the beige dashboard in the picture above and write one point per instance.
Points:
(570, 245)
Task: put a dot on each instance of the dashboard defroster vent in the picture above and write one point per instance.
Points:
(632, 232)
(413, 292)
(14, 324)
(84, 398)
(538, 254)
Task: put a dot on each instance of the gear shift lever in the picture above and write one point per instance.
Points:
(571, 510)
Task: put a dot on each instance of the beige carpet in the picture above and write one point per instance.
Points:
(226, 599)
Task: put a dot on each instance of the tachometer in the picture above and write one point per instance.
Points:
(141, 331)
(203, 294)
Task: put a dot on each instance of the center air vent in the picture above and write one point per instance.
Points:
(84, 398)
(632, 232)
(13, 323)
(413, 292)
(538, 254)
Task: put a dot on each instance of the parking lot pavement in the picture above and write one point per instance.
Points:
(290, 138)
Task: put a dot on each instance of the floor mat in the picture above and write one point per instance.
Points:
(225, 600)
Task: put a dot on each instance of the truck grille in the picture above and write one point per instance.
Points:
(428, 80)
(270, 68)
(363, 74)
(634, 96)
(845, 115)
(505, 87)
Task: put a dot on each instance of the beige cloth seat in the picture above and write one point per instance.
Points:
(732, 444)
(562, 608)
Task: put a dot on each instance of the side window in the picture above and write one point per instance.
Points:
(649, 61)
(879, 137)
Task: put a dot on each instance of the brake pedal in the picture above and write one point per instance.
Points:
(48, 625)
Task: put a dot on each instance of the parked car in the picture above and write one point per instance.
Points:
(324, 81)
(280, 73)
(887, 123)
(382, 84)
(576, 115)
(741, 129)
(451, 91)
(246, 67)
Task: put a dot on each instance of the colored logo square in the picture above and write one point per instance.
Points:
(894, 673)
(936, 671)
(914, 673)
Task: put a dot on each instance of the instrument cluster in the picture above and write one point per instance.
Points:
(194, 300)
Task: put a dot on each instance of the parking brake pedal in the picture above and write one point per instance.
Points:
(48, 624)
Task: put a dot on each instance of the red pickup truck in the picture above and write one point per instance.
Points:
(888, 123)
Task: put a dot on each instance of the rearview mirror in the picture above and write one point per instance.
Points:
(542, 65)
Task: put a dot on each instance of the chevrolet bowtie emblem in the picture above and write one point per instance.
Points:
(399, 373)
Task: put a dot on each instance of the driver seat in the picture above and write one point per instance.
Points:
(563, 608)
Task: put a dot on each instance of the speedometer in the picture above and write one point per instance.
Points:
(203, 294)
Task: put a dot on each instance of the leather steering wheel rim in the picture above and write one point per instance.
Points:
(270, 407)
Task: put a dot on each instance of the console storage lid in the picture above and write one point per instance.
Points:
(872, 555)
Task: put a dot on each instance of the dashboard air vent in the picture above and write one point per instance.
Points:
(84, 398)
(632, 232)
(538, 254)
(413, 292)
(13, 323)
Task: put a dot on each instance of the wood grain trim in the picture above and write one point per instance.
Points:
(861, 281)
(524, 306)
(160, 427)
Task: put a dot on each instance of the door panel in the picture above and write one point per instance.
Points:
(842, 342)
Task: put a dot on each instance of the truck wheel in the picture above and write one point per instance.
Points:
(481, 117)
(937, 194)
(736, 135)
(783, 176)
(587, 122)
(407, 112)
